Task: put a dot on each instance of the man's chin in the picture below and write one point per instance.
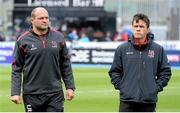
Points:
(44, 28)
(138, 37)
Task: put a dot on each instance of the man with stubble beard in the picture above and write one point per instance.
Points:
(41, 62)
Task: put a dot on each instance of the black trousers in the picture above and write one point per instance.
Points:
(137, 107)
(49, 102)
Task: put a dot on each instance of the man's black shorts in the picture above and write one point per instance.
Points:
(48, 102)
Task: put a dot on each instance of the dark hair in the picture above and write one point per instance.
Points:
(140, 16)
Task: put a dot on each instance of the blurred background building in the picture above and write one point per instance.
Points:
(164, 15)
(6, 7)
(94, 17)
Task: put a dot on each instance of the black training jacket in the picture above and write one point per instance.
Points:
(140, 74)
(43, 61)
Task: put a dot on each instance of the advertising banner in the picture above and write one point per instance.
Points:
(94, 52)
(6, 52)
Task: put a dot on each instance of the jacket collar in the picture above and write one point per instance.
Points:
(140, 46)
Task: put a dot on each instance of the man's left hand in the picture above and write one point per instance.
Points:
(69, 94)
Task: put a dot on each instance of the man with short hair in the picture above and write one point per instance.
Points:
(42, 56)
(140, 69)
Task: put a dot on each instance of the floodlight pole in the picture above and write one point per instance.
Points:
(173, 28)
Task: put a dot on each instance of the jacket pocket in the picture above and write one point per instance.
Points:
(128, 90)
(149, 91)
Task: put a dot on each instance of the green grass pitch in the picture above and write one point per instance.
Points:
(94, 92)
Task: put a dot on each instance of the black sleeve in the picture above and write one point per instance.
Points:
(164, 71)
(17, 66)
(115, 71)
(65, 67)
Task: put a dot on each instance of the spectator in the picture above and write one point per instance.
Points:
(108, 36)
(120, 36)
(84, 37)
(73, 35)
(2, 37)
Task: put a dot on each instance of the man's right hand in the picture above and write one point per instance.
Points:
(16, 99)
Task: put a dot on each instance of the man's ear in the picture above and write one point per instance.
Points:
(31, 19)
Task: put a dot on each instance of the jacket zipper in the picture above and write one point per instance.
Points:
(44, 41)
(139, 76)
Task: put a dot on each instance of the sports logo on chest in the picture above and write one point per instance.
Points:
(33, 47)
(151, 53)
(53, 44)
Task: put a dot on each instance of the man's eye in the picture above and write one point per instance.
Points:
(43, 18)
(141, 26)
(136, 26)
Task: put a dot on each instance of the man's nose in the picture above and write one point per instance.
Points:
(138, 29)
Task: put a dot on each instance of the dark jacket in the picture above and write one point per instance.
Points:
(140, 74)
(44, 61)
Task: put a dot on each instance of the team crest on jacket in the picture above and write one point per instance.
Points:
(53, 44)
(151, 53)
